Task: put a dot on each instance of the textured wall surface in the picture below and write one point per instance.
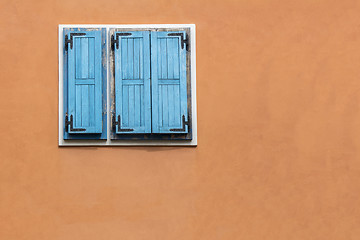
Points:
(279, 128)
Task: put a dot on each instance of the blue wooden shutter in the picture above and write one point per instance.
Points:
(168, 74)
(132, 82)
(84, 82)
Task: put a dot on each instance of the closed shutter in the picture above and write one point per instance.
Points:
(169, 91)
(84, 82)
(132, 82)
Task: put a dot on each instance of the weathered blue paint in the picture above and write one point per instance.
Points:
(168, 82)
(132, 82)
(84, 85)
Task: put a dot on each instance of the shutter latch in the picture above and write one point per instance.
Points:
(115, 40)
(71, 124)
(118, 124)
(183, 126)
(184, 40)
(70, 40)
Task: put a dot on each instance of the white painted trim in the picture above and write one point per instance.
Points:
(109, 142)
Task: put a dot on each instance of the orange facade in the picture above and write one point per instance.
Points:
(278, 153)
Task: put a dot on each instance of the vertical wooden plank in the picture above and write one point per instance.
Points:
(104, 82)
(142, 103)
(143, 54)
(119, 75)
(91, 64)
(125, 106)
(131, 105)
(160, 60)
(165, 104)
(78, 60)
(71, 83)
(84, 105)
(160, 107)
(124, 57)
(183, 83)
(137, 106)
(91, 105)
(170, 57)
(176, 59)
(98, 84)
(154, 82)
(84, 41)
(164, 65)
(136, 58)
(145, 66)
(130, 58)
(65, 79)
(78, 107)
(171, 105)
(177, 112)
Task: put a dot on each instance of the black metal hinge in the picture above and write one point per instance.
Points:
(183, 126)
(71, 124)
(115, 40)
(70, 40)
(118, 124)
(184, 39)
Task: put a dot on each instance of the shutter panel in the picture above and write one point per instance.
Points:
(84, 86)
(169, 91)
(132, 82)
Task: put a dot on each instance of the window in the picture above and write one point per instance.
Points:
(127, 85)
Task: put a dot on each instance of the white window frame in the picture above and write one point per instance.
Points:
(110, 142)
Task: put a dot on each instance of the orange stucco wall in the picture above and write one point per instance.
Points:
(279, 128)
